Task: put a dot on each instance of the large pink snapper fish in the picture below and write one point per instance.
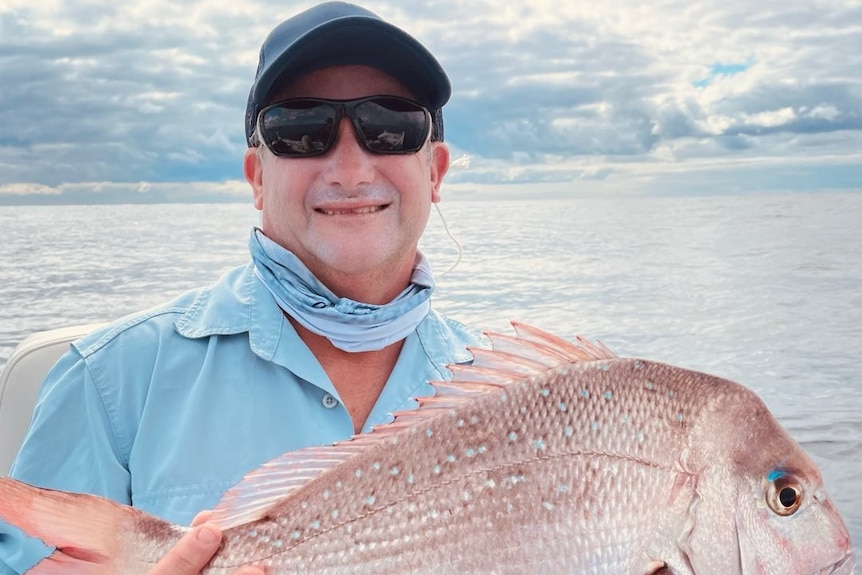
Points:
(542, 457)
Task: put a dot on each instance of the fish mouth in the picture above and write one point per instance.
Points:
(843, 566)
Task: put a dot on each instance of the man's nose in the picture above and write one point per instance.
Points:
(348, 163)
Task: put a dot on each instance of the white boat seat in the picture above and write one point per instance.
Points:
(21, 380)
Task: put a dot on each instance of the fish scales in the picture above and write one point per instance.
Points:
(592, 465)
(532, 449)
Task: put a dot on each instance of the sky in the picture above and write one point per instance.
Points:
(143, 100)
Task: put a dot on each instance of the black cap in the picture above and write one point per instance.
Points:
(337, 33)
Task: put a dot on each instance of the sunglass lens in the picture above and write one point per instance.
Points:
(298, 128)
(392, 125)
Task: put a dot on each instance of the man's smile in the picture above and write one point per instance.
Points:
(359, 210)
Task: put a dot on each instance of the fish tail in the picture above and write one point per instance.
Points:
(92, 535)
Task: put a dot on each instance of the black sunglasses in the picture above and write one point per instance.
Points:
(305, 127)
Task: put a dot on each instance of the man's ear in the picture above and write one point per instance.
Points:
(252, 168)
(438, 168)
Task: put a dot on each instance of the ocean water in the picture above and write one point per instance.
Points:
(764, 290)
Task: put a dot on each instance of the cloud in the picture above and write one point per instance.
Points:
(545, 92)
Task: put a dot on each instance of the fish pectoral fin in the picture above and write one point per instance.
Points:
(92, 535)
(659, 568)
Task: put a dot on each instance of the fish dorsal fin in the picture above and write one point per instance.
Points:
(583, 351)
(511, 359)
(538, 349)
(264, 488)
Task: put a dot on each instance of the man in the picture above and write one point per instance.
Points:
(325, 333)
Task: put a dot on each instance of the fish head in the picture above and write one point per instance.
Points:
(786, 522)
(765, 498)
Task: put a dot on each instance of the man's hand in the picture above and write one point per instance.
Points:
(192, 553)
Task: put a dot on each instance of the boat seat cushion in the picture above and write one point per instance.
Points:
(21, 380)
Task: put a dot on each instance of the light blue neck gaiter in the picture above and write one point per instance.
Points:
(350, 325)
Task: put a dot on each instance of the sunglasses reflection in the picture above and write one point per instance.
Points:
(388, 141)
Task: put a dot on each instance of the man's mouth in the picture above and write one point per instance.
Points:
(351, 211)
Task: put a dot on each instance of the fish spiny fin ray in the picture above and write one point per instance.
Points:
(586, 351)
(264, 488)
(511, 359)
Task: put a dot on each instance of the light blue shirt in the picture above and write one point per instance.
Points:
(167, 409)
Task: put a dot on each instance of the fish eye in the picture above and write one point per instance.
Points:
(784, 495)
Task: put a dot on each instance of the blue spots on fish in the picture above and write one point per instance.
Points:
(315, 524)
(470, 452)
(450, 458)
(776, 474)
(649, 386)
(562, 406)
(585, 393)
(295, 535)
(358, 473)
(410, 479)
(609, 395)
(605, 367)
(429, 432)
(539, 444)
(562, 488)
(437, 469)
(513, 436)
(569, 431)
(394, 470)
(545, 392)
(594, 425)
(370, 500)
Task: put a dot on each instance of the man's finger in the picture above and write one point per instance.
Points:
(202, 517)
(191, 553)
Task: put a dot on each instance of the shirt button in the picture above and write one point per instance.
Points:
(329, 401)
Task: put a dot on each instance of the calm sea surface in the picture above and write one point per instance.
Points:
(764, 290)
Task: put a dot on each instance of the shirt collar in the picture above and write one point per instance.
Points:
(241, 303)
(235, 305)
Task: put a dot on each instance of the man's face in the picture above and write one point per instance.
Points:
(348, 212)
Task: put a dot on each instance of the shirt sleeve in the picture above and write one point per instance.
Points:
(70, 445)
